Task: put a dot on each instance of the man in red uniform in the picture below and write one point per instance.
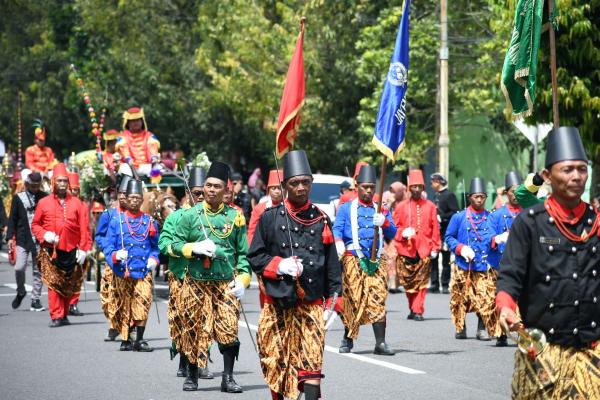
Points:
(38, 156)
(417, 242)
(275, 197)
(110, 156)
(60, 226)
(138, 146)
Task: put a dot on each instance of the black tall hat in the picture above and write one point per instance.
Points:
(197, 177)
(477, 186)
(135, 187)
(513, 178)
(366, 174)
(123, 184)
(564, 143)
(219, 170)
(295, 163)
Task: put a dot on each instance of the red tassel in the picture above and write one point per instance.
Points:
(152, 232)
(327, 235)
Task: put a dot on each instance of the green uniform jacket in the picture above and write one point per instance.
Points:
(177, 264)
(227, 228)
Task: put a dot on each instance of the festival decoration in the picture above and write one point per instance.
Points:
(96, 127)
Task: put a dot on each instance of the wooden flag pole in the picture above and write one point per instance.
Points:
(553, 67)
(379, 205)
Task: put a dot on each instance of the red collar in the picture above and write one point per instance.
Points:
(472, 210)
(365, 204)
(131, 215)
(571, 216)
(514, 209)
(291, 207)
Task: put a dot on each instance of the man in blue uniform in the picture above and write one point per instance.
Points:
(363, 281)
(131, 250)
(470, 236)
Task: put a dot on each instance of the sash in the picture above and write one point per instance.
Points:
(365, 263)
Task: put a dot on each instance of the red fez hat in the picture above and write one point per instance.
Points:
(275, 178)
(415, 177)
(229, 185)
(59, 169)
(97, 207)
(73, 180)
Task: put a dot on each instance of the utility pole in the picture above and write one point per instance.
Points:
(444, 140)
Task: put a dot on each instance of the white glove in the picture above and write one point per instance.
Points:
(501, 238)
(121, 255)
(81, 255)
(378, 219)
(51, 237)
(467, 253)
(152, 263)
(329, 316)
(408, 232)
(237, 289)
(206, 248)
(290, 266)
(433, 254)
(340, 248)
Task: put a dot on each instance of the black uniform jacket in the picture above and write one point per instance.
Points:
(322, 274)
(555, 282)
(18, 223)
(447, 206)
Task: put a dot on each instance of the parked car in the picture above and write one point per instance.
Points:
(326, 191)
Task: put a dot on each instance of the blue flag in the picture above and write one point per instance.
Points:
(391, 118)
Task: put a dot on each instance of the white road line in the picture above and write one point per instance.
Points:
(4, 254)
(358, 357)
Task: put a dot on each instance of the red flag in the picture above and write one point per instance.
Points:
(292, 101)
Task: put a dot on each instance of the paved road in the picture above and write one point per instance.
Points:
(73, 362)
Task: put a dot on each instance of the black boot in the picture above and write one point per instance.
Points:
(204, 373)
(228, 384)
(381, 347)
(502, 341)
(183, 365)
(481, 331)
(191, 381)
(463, 332)
(74, 311)
(140, 344)
(126, 345)
(111, 335)
(347, 343)
(312, 392)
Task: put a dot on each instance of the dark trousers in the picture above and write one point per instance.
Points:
(435, 275)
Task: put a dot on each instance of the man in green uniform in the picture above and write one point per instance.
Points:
(212, 237)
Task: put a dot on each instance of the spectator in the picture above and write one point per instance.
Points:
(256, 175)
(241, 198)
(596, 204)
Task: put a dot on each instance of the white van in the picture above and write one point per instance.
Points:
(326, 191)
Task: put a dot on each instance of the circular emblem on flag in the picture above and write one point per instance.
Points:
(397, 74)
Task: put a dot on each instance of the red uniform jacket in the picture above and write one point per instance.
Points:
(39, 159)
(71, 224)
(257, 212)
(423, 219)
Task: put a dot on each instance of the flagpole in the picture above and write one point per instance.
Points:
(553, 66)
(379, 205)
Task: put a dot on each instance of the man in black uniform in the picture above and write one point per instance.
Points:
(293, 253)
(241, 198)
(447, 206)
(551, 270)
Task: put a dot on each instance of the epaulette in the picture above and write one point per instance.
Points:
(535, 209)
(239, 219)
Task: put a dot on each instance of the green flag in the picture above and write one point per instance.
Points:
(520, 64)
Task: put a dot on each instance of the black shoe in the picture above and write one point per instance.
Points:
(383, 349)
(17, 300)
(501, 341)
(191, 381)
(36, 306)
(55, 323)
(445, 290)
(65, 321)
(229, 385)
(462, 334)
(346, 345)
(411, 315)
(142, 346)
(204, 373)
(111, 335)
(482, 335)
(126, 346)
(433, 290)
(74, 311)
(182, 371)
(419, 317)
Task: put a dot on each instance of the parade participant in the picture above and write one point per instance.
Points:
(19, 230)
(470, 236)
(177, 267)
(65, 243)
(502, 220)
(294, 255)
(110, 156)
(139, 148)
(212, 237)
(275, 197)
(363, 279)
(417, 243)
(397, 192)
(241, 198)
(131, 250)
(351, 193)
(527, 192)
(38, 156)
(74, 189)
(550, 271)
(107, 286)
(447, 206)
